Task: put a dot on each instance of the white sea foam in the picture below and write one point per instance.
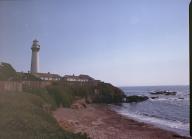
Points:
(176, 126)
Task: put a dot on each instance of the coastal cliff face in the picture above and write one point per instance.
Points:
(27, 114)
(65, 93)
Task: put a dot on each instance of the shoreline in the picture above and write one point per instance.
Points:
(151, 121)
(98, 121)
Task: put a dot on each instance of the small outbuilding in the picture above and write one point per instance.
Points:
(47, 76)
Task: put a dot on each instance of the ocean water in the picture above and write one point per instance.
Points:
(167, 112)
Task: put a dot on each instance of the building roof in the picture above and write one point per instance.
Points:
(70, 76)
(81, 76)
(48, 75)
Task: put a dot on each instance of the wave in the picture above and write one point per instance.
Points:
(169, 99)
(176, 126)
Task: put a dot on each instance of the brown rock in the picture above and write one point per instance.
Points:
(79, 104)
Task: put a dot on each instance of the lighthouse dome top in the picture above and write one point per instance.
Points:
(35, 42)
(35, 45)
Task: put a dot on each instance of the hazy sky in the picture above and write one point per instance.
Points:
(124, 42)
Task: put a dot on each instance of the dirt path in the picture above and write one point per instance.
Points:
(101, 123)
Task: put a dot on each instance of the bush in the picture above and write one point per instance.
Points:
(108, 94)
(7, 72)
(44, 95)
(62, 96)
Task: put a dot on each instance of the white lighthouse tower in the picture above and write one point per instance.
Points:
(35, 57)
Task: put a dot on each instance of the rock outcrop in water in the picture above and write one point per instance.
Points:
(163, 93)
(154, 97)
(134, 98)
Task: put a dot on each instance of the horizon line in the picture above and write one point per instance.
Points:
(153, 85)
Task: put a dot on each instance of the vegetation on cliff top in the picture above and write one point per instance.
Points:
(64, 93)
(8, 73)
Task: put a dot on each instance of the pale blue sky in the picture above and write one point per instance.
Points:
(124, 42)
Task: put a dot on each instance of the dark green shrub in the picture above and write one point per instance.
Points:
(7, 72)
(61, 95)
(44, 95)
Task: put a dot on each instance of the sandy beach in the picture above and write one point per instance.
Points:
(99, 122)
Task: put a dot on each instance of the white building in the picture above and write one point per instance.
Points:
(47, 76)
(80, 78)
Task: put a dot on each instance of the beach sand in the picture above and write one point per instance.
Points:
(99, 122)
